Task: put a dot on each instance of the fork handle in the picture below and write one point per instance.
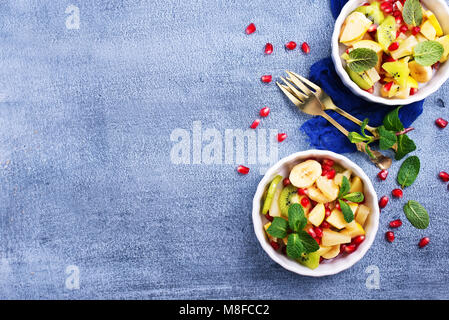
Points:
(348, 116)
(335, 123)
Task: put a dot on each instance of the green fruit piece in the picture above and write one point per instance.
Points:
(310, 260)
(288, 196)
(360, 79)
(386, 32)
(270, 193)
(399, 71)
(372, 12)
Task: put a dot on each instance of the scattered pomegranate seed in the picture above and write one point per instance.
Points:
(413, 91)
(416, 30)
(358, 240)
(266, 78)
(327, 212)
(403, 28)
(302, 192)
(350, 248)
(397, 193)
(386, 7)
(390, 236)
(372, 28)
(441, 122)
(383, 174)
(268, 48)
(388, 86)
(325, 225)
(305, 202)
(250, 28)
(290, 45)
(337, 205)
(318, 232)
(423, 242)
(255, 124)
(274, 244)
(393, 46)
(264, 112)
(305, 47)
(331, 174)
(311, 232)
(436, 65)
(383, 202)
(242, 169)
(282, 137)
(444, 176)
(286, 182)
(396, 223)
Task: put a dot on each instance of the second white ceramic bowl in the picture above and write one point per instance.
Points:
(441, 10)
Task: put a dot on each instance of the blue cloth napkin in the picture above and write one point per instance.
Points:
(321, 133)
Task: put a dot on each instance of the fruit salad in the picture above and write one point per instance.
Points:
(391, 48)
(316, 213)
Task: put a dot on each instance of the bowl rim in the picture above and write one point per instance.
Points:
(432, 86)
(296, 267)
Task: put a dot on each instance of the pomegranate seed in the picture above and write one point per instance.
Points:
(383, 202)
(383, 174)
(416, 30)
(386, 7)
(266, 78)
(397, 13)
(264, 112)
(318, 240)
(423, 242)
(398, 33)
(441, 122)
(399, 21)
(327, 212)
(337, 205)
(305, 47)
(393, 46)
(436, 65)
(403, 28)
(311, 232)
(366, 4)
(274, 244)
(397, 193)
(305, 202)
(269, 218)
(372, 28)
(250, 28)
(413, 91)
(342, 248)
(390, 236)
(444, 176)
(302, 192)
(255, 124)
(318, 232)
(331, 174)
(358, 240)
(242, 169)
(268, 48)
(396, 223)
(290, 45)
(390, 59)
(328, 162)
(282, 137)
(388, 86)
(286, 182)
(370, 90)
(321, 259)
(350, 248)
(324, 171)
(325, 225)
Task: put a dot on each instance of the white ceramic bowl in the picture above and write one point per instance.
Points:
(328, 267)
(441, 10)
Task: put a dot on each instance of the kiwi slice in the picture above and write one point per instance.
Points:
(372, 12)
(310, 260)
(288, 196)
(386, 32)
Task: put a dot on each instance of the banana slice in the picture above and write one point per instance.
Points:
(304, 175)
(316, 195)
(420, 73)
(328, 187)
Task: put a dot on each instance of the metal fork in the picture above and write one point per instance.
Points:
(311, 99)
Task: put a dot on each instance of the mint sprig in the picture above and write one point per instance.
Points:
(362, 59)
(427, 53)
(412, 13)
(409, 171)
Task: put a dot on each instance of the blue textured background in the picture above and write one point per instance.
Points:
(85, 172)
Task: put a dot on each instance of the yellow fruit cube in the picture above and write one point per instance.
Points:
(332, 238)
(361, 214)
(353, 229)
(356, 185)
(332, 252)
(428, 30)
(445, 43)
(317, 214)
(434, 21)
(337, 219)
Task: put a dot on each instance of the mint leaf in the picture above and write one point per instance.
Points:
(346, 210)
(405, 146)
(278, 228)
(362, 59)
(427, 53)
(416, 214)
(344, 188)
(387, 138)
(294, 246)
(355, 137)
(309, 244)
(412, 13)
(409, 171)
(296, 219)
(354, 197)
(392, 122)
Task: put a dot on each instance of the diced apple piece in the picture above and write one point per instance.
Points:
(356, 185)
(403, 93)
(373, 75)
(434, 21)
(336, 219)
(316, 195)
(327, 187)
(332, 253)
(445, 43)
(354, 27)
(405, 48)
(361, 215)
(420, 73)
(353, 229)
(322, 250)
(317, 214)
(339, 176)
(353, 207)
(332, 238)
(428, 30)
(420, 38)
